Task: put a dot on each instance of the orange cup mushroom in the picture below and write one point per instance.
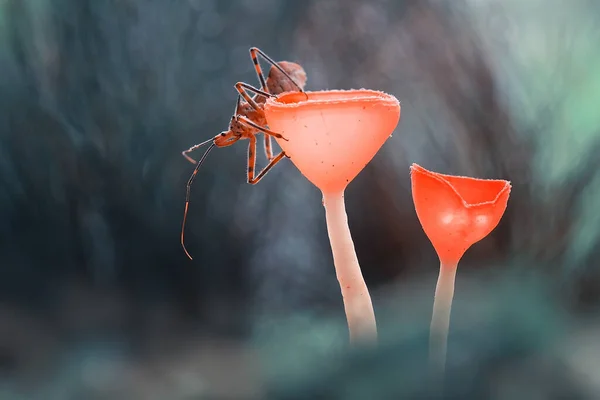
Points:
(334, 134)
(330, 136)
(455, 213)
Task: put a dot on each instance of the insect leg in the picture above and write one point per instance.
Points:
(247, 122)
(252, 163)
(187, 196)
(268, 148)
(254, 51)
(251, 158)
(261, 77)
(241, 87)
(266, 169)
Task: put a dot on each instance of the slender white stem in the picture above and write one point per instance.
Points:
(440, 321)
(357, 301)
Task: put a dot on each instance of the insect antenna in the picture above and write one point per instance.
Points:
(195, 147)
(187, 196)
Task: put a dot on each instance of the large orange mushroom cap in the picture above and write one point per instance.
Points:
(456, 211)
(332, 135)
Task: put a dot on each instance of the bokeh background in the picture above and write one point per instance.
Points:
(97, 299)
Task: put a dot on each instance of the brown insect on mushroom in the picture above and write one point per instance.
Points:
(249, 119)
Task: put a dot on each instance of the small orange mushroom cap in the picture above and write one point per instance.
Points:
(332, 135)
(456, 211)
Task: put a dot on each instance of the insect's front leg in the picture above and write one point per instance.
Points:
(267, 168)
(251, 159)
(242, 88)
(245, 121)
(252, 179)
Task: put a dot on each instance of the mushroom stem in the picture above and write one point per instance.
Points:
(357, 301)
(440, 320)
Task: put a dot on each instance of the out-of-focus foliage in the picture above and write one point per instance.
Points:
(510, 344)
(97, 100)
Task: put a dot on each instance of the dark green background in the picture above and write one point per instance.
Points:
(97, 299)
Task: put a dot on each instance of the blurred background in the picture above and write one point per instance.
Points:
(99, 301)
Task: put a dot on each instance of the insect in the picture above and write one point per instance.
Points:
(249, 119)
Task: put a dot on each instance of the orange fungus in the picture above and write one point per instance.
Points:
(456, 211)
(332, 135)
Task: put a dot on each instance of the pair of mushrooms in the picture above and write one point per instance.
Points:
(331, 137)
